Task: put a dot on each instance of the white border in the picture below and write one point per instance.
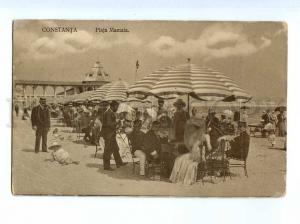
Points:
(150, 210)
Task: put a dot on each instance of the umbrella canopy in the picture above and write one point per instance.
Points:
(111, 91)
(133, 99)
(82, 97)
(280, 109)
(199, 82)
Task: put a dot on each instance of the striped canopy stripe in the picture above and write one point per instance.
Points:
(205, 83)
(111, 91)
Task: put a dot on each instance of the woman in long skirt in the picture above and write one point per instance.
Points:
(186, 165)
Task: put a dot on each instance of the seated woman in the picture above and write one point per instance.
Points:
(123, 128)
(213, 128)
(186, 165)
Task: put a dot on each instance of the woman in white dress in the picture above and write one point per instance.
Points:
(196, 140)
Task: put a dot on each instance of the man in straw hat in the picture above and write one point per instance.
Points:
(109, 134)
(40, 120)
(180, 118)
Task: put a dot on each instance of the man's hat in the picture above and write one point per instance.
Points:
(179, 102)
(160, 100)
(42, 99)
(114, 103)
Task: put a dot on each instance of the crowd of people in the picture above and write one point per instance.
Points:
(151, 130)
(274, 124)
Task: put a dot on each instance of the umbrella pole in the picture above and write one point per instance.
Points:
(188, 99)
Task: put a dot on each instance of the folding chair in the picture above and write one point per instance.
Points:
(135, 160)
(78, 132)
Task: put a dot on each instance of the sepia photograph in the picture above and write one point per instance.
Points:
(149, 108)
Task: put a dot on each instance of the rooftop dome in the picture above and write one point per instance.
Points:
(97, 73)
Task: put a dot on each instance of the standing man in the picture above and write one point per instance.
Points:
(180, 119)
(40, 120)
(17, 109)
(109, 135)
(161, 108)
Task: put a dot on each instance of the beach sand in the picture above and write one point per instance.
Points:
(33, 174)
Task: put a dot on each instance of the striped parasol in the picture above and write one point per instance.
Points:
(82, 97)
(199, 82)
(111, 91)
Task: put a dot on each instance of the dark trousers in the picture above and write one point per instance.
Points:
(111, 147)
(41, 133)
(87, 135)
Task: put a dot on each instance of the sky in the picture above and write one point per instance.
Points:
(254, 54)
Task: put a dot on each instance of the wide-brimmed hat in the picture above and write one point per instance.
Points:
(114, 103)
(179, 102)
(54, 144)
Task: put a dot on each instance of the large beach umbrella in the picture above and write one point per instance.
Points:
(82, 97)
(111, 91)
(199, 82)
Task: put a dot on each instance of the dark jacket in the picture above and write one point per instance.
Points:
(40, 117)
(109, 124)
(151, 143)
(240, 146)
(180, 118)
(136, 138)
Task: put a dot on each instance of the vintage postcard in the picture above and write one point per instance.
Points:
(149, 108)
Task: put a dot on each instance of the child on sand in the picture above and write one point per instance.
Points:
(59, 154)
(270, 129)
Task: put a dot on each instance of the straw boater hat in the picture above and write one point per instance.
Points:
(179, 102)
(54, 145)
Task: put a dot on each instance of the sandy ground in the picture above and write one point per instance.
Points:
(33, 174)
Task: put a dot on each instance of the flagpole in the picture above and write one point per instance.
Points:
(137, 65)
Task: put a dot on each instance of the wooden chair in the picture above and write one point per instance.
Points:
(240, 161)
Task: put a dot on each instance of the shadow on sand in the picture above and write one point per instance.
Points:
(124, 172)
(28, 150)
(277, 148)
